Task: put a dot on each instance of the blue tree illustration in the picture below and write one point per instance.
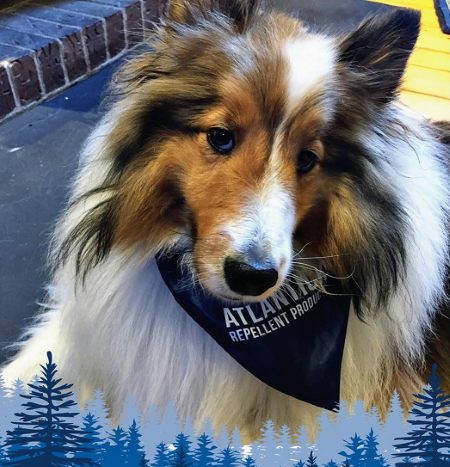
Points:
(312, 460)
(13, 447)
(161, 458)
(331, 464)
(236, 441)
(204, 452)
(248, 462)
(346, 463)
(299, 464)
(355, 455)
(2, 452)
(115, 452)
(182, 443)
(228, 458)
(180, 458)
(208, 429)
(393, 427)
(255, 451)
(303, 444)
(4, 403)
(97, 407)
(222, 439)
(372, 458)
(144, 462)
(92, 438)
(10, 402)
(269, 443)
(134, 449)
(17, 389)
(44, 435)
(151, 431)
(430, 415)
(284, 446)
(130, 413)
(170, 425)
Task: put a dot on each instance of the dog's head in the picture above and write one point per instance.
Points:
(240, 137)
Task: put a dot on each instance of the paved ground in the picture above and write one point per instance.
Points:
(39, 154)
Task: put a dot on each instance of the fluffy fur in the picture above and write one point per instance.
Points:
(374, 212)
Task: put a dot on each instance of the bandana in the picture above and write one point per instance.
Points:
(292, 341)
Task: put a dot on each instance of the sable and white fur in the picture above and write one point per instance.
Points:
(120, 329)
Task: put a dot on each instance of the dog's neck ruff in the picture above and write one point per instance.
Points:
(293, 341)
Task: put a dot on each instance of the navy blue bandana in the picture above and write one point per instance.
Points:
(293, 341)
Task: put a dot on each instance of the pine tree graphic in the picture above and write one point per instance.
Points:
(180, 458)
(2, 453)
(356, 447)
(144, 462)
(248, 462)
(430, 439)
(92, 438)
(269, 444)
(372, 458)
(312, 460)
(44, 435)
(284, 452)
(228, 458)
(134, 449)
(161, 458)
(13, 447)
(115, 453)
(331, 464)
(204, 452)
(182, 443)
(299, 464)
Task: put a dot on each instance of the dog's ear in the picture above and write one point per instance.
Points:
(380, 48)
(241, 12)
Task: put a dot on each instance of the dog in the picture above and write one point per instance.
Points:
(241, 136)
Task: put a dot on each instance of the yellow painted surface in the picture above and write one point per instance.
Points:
(427, 81)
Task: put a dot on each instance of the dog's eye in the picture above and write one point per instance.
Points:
(307, 159)
(221, 140)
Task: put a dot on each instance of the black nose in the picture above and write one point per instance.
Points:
(247, 280)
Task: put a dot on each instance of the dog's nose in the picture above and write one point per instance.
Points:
(248, 280)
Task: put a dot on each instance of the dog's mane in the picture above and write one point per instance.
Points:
(393, 173)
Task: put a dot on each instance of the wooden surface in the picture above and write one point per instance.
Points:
(427, 81)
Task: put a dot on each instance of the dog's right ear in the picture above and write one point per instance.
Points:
(380, 48)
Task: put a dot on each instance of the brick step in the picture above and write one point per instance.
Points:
(48, 46)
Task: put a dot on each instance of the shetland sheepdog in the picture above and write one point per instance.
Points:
(242, 134)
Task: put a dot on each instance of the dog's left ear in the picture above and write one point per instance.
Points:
(379, 49)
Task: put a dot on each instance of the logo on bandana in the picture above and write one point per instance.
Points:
(254, 321)
(293, 341)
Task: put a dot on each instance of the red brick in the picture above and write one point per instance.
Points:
(116, 33)
(95, 43)
(74, 58)
(134, 24)
(150, 13)
(49, 58)
(7, 104)
(25, 79)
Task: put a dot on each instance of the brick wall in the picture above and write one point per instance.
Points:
(46, 47)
